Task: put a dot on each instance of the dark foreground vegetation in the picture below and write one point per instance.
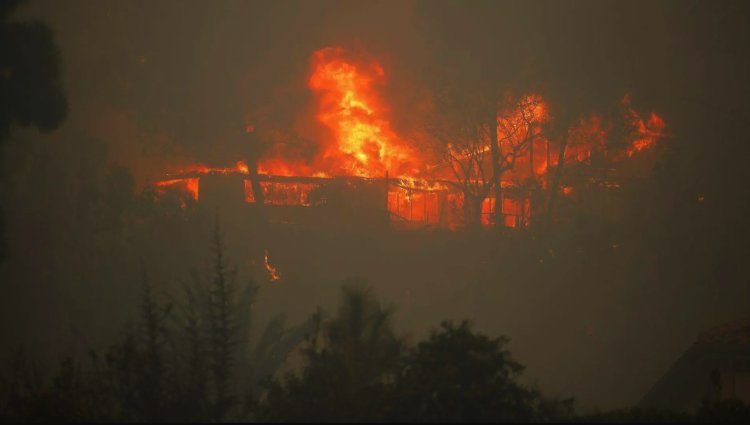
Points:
(609, 297)
(189, 358)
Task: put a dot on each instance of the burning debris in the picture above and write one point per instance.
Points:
(273, 272)
(188, 185)
(480, 179)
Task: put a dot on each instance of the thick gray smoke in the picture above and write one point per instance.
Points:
(155, 85)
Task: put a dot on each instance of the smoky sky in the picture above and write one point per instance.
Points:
(152, 85)
(180, 78)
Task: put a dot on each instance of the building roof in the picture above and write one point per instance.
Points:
(688, 380)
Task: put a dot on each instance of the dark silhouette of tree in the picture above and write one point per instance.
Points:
(273, 347)
(193, 391)
(519, 124)
(191, 364)
(222, 325)
(724, 412)
(480, 138)
(710, 411)
(222, 369)
(349, 357)
(253, 149)
(135, 375)
(465, 143)
(357, 370)
(154, 335)
(636, 415)
(30, 84)
(458, 375)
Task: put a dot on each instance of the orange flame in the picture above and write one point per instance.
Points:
(273, 272)
(522, 123)
(240, 167)
(282, 193)
(586, 137)
(192, 185)
(362, 142)
(350, 107)
(645, 132)
(187, 185)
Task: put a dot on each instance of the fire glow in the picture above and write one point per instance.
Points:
(360, 142)
(349, 107)
(190, 186)
(273, 272)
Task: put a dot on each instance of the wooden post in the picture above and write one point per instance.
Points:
(442, 202)
(387, 212)
(386, 190)
(500, 214)
(411, 206)
(531, 159)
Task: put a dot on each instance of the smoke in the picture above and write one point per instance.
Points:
(155, 86)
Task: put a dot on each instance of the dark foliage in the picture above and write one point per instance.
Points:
(30, 80)
(349, 359)
(724, 412)
(167, 366)
(719, 412)
(357, 370)
(459, 375)
(637, 415)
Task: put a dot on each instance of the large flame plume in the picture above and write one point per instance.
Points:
(357, 139)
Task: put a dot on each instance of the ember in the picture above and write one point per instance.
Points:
(273, 272)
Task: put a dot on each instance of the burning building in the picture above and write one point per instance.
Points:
(474, 172)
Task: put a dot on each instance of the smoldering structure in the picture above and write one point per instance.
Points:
(451, 175)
